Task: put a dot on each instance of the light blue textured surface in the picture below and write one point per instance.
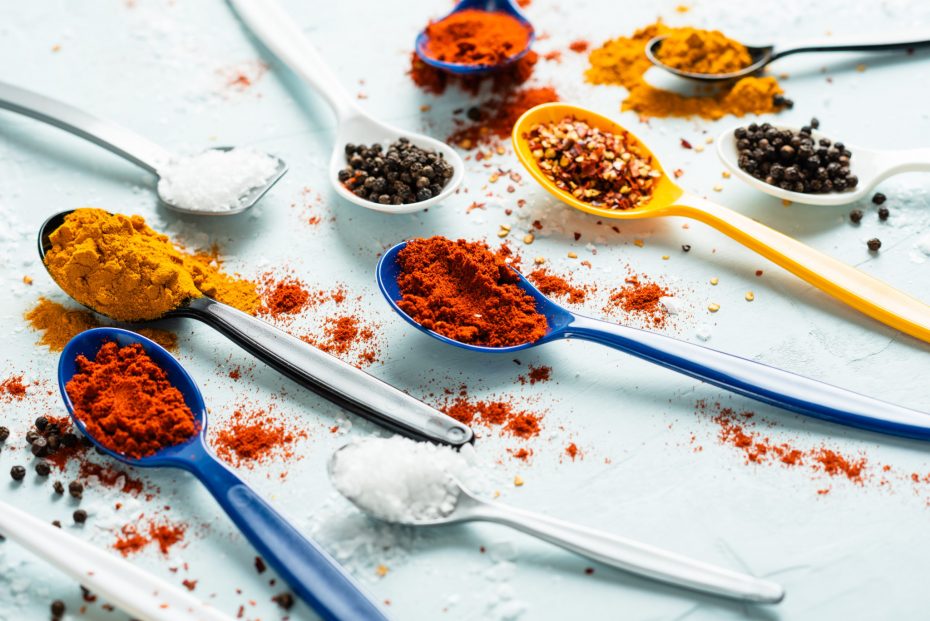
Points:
(163, 67)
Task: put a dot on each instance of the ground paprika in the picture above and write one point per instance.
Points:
(475, 37)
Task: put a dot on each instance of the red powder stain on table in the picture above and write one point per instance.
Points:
(243, 76)
(13, 388)
(344, 333)
(284, 296)
(111, 477)
(501, 414)
(572, 451)
(639, 297)
(579, 46)
(558, 286)
(255, 436)
(494, 119)
(133, 538)
(309, 204)
(537, 374)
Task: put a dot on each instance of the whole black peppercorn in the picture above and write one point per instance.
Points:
(284, 600)
(815, 123)
(56, 523)
(883, 213)
(58, 487)
(39, 446)
(80, 516)
(43, 469)
(686, 247)
(41, 423)
(31, 435)
(58, 609)
(874, 244)
(76, 489)
(4, 433)
(855, 216)
(401, 174)
(18, 473)
(879, 198)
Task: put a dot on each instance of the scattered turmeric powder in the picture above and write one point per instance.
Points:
(703, 51)
(123, 269)
(622, 61)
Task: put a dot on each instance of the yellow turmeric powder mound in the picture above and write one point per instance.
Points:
(123, 269)
(703, 51)
(623, 62)
(58, 324)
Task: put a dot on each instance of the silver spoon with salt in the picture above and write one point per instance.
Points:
(241, 177)
(455, 504)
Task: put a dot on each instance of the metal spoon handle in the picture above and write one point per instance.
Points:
(275, 29)
(847, 284)
(313, 574)
(758, 381)
(330, 377)
(854, 44)
(134, 591)
(129, 145)
(635, 557)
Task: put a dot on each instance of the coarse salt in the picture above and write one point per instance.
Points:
(399, 480)
(215, 181)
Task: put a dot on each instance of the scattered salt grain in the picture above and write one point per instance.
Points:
(215, 180)
(399, 480)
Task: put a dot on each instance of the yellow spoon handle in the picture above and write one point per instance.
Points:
(861, 291)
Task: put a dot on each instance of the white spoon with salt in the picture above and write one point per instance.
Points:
(278, 32)
(413, 483)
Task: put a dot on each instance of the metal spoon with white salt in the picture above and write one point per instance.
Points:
(368, 478)
(218, 182)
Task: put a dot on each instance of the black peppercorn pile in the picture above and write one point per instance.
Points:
(794, 161)
(401, 175)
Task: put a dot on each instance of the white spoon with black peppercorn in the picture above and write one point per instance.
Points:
(804, 166)
(762, 55)
(373, 164)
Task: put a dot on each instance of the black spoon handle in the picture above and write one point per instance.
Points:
(852, 46)
(328, 376)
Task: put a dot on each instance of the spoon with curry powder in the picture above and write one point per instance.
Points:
(745, 377)
(326, 375)
(663, 198)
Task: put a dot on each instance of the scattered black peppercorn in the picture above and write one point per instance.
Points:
(781, 101)
(18, 473)
(58, 487)
(76, 489)
(815, 123)
(31, 436)
(80, 516)
(41, 423)
(39, 446)
(56, 523)
(874, 244)
(58, 609)
(259, 565)
(402, 175)
(855, 216)
(284, 600)
(4, 433)
(686, 247)
(794, 161)
(43, 469)
(879, 198)
(883, 213)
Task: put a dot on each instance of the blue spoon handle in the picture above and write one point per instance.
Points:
(313, 574)
(758, 381)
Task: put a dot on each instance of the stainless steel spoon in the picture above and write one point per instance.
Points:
(762, 55)
(326, 375)
(121, 141)
(626, 554)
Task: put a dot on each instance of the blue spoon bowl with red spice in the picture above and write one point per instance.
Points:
(508, 7)
(309, 570)
(739, 375)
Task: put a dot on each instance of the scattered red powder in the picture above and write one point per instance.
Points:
(557, 286)
(190, 585)
(521, 423)
(13, 388)
(579, 46)
(255, 436)
(111, 477)
(235, 374)
(435, 81)
(287, 296)
(522, 454)
(572, 450)
(642, 298)
(342, 334)
(537, 374)
(131, 539)
(496, 117)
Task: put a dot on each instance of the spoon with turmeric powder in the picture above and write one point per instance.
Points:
(630, 184)
(462, 294)
(710, 56)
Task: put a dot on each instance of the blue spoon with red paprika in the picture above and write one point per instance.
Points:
(745, 377)
(310, 571)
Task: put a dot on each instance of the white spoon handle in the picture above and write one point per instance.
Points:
(278, 32)
(136, 592)
(908, 160)
(635, 557)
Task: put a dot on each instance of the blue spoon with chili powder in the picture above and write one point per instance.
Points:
(745, 377)
(508, 7)
(313, 574)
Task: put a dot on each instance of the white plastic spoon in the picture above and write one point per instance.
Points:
(134, 591)
(871, 166)
(278, 32)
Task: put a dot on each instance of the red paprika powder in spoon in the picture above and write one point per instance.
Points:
(474, 37)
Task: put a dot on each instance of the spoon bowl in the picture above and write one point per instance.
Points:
(847, 284)
(759, 56)
(871, 166)
(500, 6)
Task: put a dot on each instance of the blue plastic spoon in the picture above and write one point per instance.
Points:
(313, 574)
(745, 377)
(500, 6)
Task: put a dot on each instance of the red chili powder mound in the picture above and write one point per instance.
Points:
(13, 388)
(464, 291)
(495, 118)
(286, 296)
(131, 539)
(520, 423)
(436, 81)
(255, 436)
(127, 403)
(557, 286)
(642, 298)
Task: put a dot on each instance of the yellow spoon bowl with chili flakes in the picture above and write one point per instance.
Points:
(657, 195)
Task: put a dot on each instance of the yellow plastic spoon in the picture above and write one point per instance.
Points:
(864, 293)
